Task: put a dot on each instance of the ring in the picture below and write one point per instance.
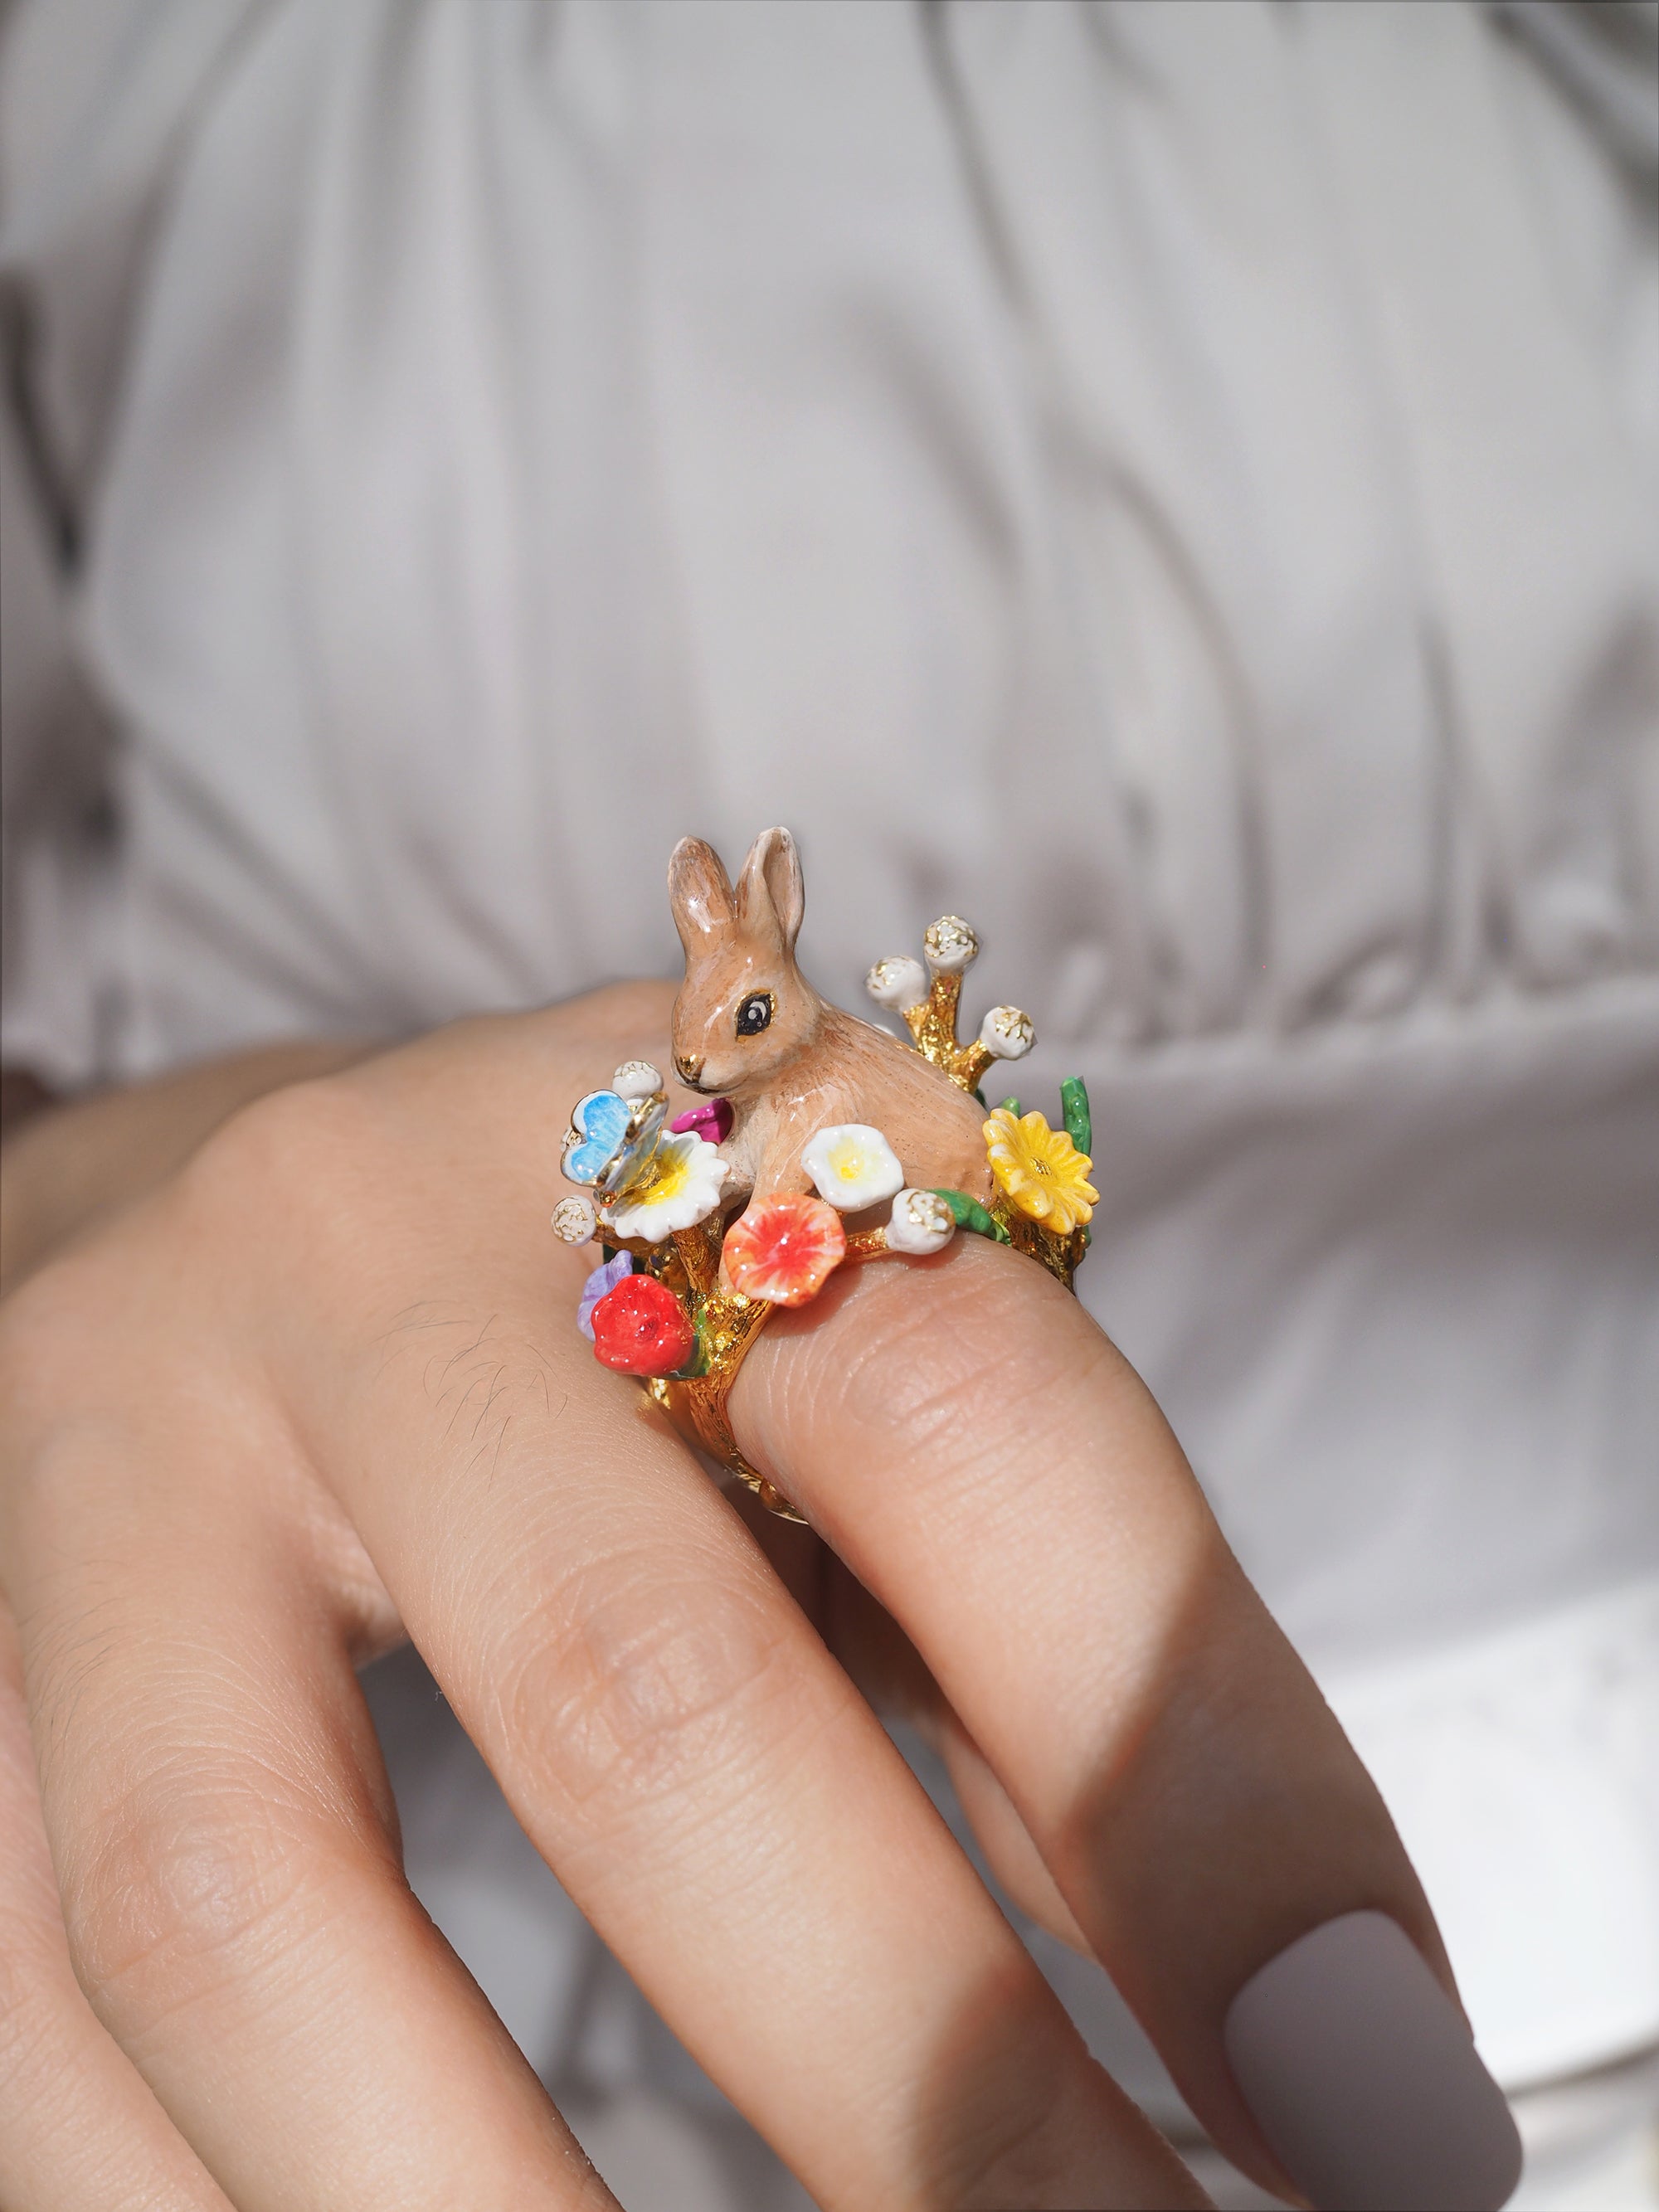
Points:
(819, 1141)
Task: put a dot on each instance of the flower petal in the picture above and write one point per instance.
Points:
(711, 1119)
(679, 1185)
(599, 1284)
(784, 1250)
(853, 1165)
(1040, 1170)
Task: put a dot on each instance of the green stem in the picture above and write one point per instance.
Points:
(970, 1214)
(1074, 1111)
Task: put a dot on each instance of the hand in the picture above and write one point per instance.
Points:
(321, 1390)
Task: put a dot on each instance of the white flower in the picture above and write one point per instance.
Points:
(574, 1220)
(853, 1165)
(921, 1222)
(899, 982)
(950, 946)
(677, 1188)
(1006, 1034)
(636, 1079)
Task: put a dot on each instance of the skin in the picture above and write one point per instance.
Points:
(309, 1385)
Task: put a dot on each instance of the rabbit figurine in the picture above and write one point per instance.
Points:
(749, 1027)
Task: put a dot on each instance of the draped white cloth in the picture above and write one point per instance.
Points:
(1174, 482)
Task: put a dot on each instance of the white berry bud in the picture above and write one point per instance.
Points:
(574, 1220)
(900, 983)
(636, 1079)
(921, 1222)
(950, 946)
(1006, 1034)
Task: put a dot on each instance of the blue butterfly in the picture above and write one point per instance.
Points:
(608, 1135)
(598, 1130)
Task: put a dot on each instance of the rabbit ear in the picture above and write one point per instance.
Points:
(769, 889)
(699, 893)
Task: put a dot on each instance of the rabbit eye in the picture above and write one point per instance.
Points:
(754, 1014)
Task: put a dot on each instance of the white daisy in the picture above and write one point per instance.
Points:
(678, 1186)
(853, 1165)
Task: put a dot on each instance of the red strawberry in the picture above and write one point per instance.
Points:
(641, 1328)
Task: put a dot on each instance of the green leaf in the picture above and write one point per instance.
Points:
(970, 1214)
(1074, 1110)
(696, 1365)
(1011, 1106)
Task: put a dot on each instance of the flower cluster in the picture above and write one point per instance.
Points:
(664, 1304)
(644, 1183)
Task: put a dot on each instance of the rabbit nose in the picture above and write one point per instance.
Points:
(688, 1066)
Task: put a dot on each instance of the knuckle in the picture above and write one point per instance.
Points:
(45, 1326)
(54, 1333)
(187, 1876)
(270, 1155)
(633, 1684)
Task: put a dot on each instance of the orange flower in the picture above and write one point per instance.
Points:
(785, 1250)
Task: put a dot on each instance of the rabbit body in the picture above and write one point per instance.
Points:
(854, 1071)
(749, 1027)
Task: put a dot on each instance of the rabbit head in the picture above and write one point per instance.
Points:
(744, 1012)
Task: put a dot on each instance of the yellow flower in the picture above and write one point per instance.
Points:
(1041, 1169)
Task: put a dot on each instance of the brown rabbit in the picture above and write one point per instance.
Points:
(749, 1027)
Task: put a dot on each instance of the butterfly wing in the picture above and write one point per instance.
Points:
(598, 1128)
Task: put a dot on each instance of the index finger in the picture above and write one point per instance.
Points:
(988, 1465)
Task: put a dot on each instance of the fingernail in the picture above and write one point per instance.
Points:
(1365, 2080)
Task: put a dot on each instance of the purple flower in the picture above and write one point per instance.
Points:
(712, 1122)
(598, 1283)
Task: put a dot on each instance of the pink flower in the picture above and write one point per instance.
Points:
(785, 1249)
(712, 1122)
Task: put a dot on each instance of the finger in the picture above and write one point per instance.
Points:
(989, 1466)
(78, 2125)
(893, 1677)
(225, 1848)
(716, 1796)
